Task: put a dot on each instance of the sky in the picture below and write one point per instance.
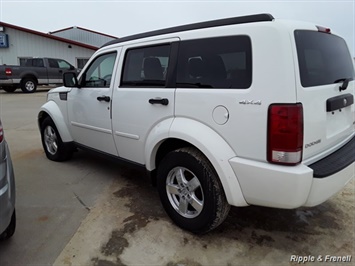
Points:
(122, 18)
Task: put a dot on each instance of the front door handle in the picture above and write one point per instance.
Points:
(163, 101)
(104, 98)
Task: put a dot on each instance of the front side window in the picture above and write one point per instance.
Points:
(58, 63)
(53, 63)
(323, 58)
(146, 66)
(99, 72)
(223, 62)
(63, 64)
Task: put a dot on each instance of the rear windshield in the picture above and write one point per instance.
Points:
(323, 58)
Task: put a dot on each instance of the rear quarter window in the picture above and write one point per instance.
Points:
(323, 58)
(221, 62)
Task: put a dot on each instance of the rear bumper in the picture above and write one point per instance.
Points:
(336, 161)
(270, 185)
(7, 189)
(290, 187)
(6, 82)
(323, 188)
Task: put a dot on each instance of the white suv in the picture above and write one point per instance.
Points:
(240, 111)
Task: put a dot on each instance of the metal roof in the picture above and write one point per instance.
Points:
(80, 28)
(49, 36)
(83, 35)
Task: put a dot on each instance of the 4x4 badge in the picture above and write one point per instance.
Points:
(254, 102)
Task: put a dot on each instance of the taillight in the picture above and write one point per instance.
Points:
(8, 71)
(1, 132)
(285, 134)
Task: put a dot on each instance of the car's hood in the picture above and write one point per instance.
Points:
(59, 89)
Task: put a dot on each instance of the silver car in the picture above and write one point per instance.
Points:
(7, 190)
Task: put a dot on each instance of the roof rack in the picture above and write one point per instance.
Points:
(199, 25)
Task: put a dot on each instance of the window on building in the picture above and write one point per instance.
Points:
(81, 62)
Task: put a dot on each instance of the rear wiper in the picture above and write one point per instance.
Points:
(345, 84)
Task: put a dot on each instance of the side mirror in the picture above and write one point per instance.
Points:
(70, 80)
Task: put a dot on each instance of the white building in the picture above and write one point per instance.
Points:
(75, 45)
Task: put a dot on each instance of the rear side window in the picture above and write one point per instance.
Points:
(224, 62)
(323, 58)
(37, 62)
(146, 66)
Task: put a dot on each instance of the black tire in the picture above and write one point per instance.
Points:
(9, 89)
(28, 85)
(197, 202)
(10, 230)
(52, 143)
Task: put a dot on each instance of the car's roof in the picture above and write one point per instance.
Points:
(194, 26)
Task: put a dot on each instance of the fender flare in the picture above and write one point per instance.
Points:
(209, 142)
(51, 109)
(29, 74)
(157, 135)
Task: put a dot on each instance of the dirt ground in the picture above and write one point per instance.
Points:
(128, 226)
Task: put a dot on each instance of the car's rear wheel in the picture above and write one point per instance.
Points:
(52, 143)
(28, 85)
(190, 191)
(10, 230)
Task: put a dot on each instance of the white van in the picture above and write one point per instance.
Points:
(241, 111)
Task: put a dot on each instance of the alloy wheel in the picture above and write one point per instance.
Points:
(184, 192)
(50, 140)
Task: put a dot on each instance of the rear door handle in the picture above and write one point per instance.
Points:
(104, 98)
(163, 101)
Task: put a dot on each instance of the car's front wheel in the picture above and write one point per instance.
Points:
(191, 191)
(52, 143)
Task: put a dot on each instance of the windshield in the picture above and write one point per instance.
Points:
(323, 58)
